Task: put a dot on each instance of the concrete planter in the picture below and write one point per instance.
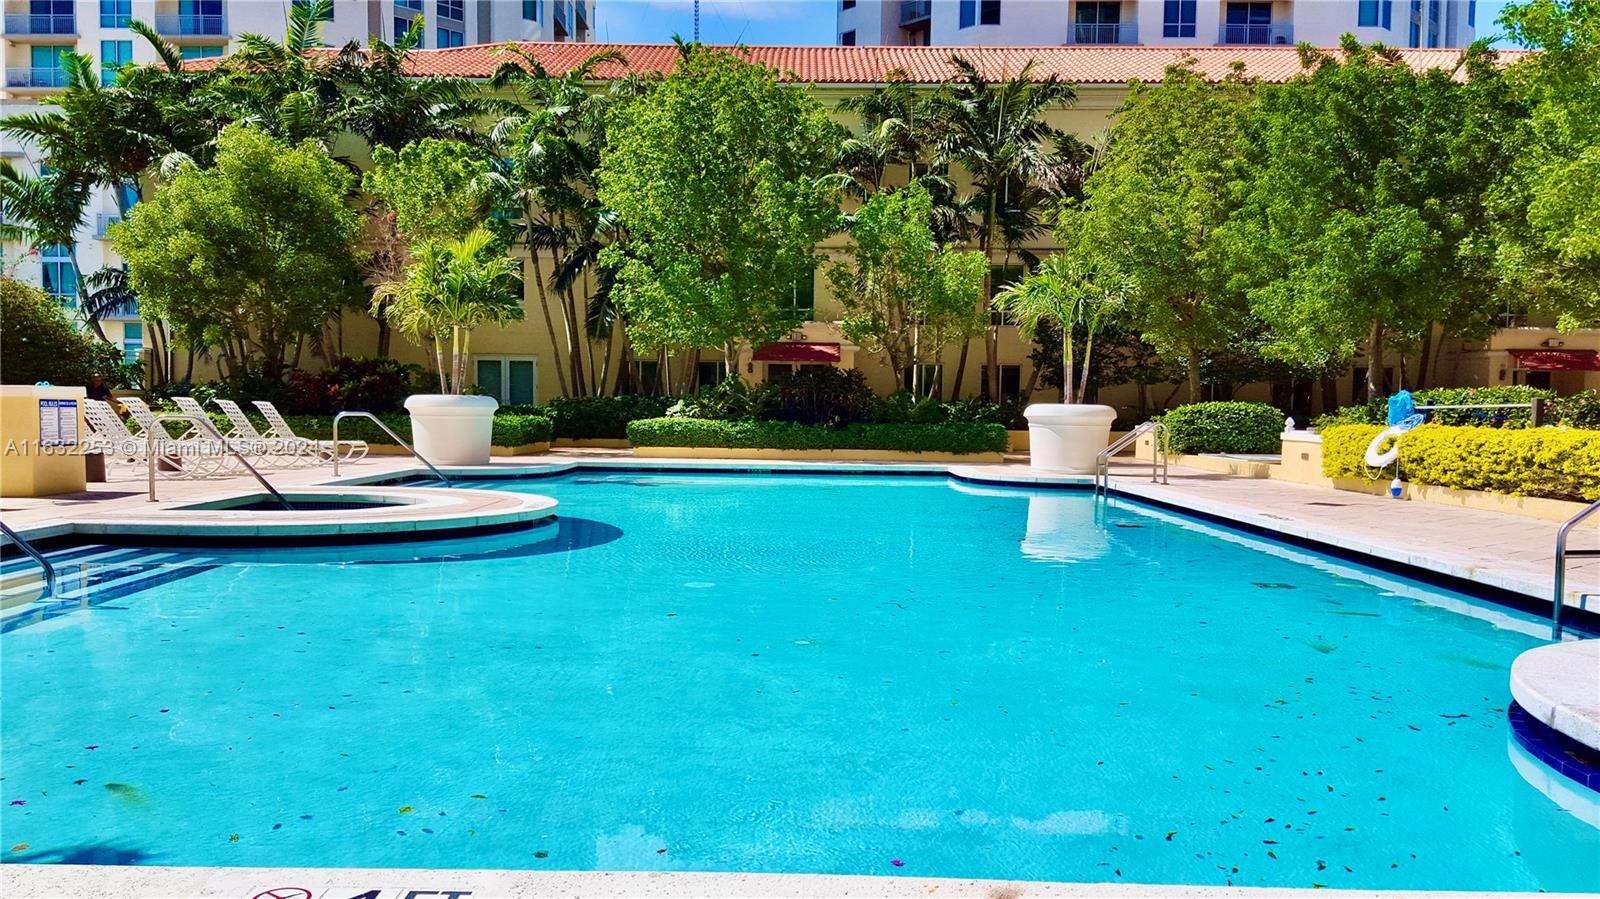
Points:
(1065, 437)
(452, 430)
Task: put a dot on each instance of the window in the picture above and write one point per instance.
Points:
(402, 27)
(128, 194)
(1416, 23)
(710, 374)
(1010, 382)
(116, 13)
(803, 299)
(1387, 7)
(413, 5)
(200, 52)
(132, 341)
(1248, 23)
(924, 380)
(1367, 13)
(778, 372)
(513, 380)
(1472, 13)
(58, 277)
(530, 9)
(1001, 277)
(988, 12)
(1178, 18)
(1435, 15)
(647, 377)
(52, 17)
(200, 17)
(113, 56)
(848, 39)
(1097, 23)
(447, 38)
(45, 67)
(452, 9)
(847, 4)
(969, 13)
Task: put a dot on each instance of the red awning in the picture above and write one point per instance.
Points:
(1558, 360)
(798, 352)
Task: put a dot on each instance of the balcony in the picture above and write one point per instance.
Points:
(35, 77)
(103, 221)
(1105, 33)
(29, 25)
(192, 26)
(1260, 35)
(915, 12)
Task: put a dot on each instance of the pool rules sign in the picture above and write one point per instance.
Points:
(58, 423)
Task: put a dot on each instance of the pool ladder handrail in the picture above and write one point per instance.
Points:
(1560, 597)
(1158, 461)
(34, 554)
(387, 430)
(204, 424)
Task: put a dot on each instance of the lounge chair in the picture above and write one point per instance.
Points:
(348, 450)
(178, 458)
(289, 453)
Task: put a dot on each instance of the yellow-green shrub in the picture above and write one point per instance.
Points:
(1556, 462)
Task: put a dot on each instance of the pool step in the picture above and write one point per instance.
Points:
(85, 576)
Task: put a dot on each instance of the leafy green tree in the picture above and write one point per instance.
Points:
(1077, 300)
(1550, 242)
(905, 297)
(1155, 207)
(1344, 235)
(722, 174)
(39, 343)
(257, 248)
(451, 288)
(439, 190)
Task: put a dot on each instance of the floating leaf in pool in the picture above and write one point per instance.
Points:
(1321, 647)
(406, 810)
(897, 863)
(479, 796)
(233, 838)
(19, 802)
(541, 854)
(79, 782)
(1171, 834)
(95, 746)
(19, 847)
(1269, 585)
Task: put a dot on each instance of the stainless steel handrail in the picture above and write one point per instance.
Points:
(34, 554)
(387, 430)
(204, 424)
(1158, 460)
(1560, 598)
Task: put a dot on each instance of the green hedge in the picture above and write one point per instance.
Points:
(509, 430)
(1561, 463)
(596, 417)
(943, 438)
(1228, 427)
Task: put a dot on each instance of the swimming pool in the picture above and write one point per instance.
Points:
(790, 674)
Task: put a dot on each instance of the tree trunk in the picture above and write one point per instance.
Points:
(1426, 358)
(1194, 373)
(961, 370)
(544, 307)
(383, 337)
(574, 343)
(1375, 360)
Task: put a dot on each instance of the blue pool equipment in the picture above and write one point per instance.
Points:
(1403, 416)
(1394, 488)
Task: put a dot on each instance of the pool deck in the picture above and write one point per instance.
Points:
(1501, 551)
(90, 882)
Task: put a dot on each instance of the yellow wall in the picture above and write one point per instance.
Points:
(27, 468)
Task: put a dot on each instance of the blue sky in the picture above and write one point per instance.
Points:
(766, 21)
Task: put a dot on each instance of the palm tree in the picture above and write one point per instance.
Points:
(450, 289)
(551, 137)
(282, 87)
(46, 211)
(996, 131)
(1077, 299)
(387, 107)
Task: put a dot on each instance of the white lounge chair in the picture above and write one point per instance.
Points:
(348, 450)
(177, 458)
(275, 450)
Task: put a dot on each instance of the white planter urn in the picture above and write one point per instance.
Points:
(452, 430)
(1066, 437)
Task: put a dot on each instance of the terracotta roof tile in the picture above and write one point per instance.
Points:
(929, 65)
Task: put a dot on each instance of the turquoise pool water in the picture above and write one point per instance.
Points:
(791, 674)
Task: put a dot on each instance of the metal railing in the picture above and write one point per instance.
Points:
(44, 23)
(192, 25)
(1256, 34)
(914, 11)
(203, 424)
(387, 430)
(35, 76)
(1560, 598)
(35, 555)
(1105, 33)
(1158, 460)
(1537, 408)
